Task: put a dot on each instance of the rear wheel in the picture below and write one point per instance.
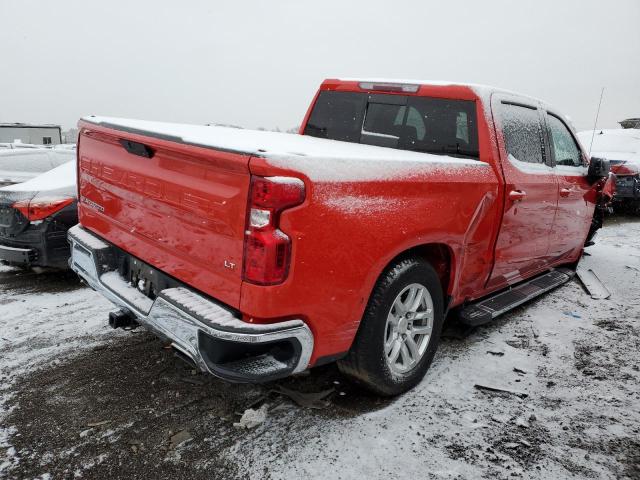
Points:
(400, 330)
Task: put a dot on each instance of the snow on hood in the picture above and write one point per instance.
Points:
(318, 158)
(613, 144)
(62, 178)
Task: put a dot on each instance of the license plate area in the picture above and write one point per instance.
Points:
(143, 277)
(147, 279)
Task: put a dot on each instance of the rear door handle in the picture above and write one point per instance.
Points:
(565, 192)
(517, 195)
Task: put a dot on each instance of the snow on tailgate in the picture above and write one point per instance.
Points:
(319, 159)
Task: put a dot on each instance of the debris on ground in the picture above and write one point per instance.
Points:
(252, 418)
(98, 424)
(488, 388)
(179, 438)
(135, 445)
(500, 418)
(572, 314)
(592, 283)
(316, 400)
(496, 352)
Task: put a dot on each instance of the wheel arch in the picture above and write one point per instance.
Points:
(439, 255)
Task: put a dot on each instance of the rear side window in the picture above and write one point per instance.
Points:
(522, 133)
(422, 124)
(565, 150)
(338, 116)
(438, 125)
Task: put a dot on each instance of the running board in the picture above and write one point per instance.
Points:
(489, 308)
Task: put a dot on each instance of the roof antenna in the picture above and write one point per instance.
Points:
(595, 124)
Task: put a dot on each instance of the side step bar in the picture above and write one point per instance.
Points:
(491, 307)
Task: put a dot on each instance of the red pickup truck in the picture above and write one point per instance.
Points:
(261, 254)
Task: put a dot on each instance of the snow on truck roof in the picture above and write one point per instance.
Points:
(482, 91)
(286, 150)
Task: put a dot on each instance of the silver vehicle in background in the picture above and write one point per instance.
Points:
(22, 164)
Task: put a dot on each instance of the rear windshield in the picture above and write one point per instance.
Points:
(422, 124)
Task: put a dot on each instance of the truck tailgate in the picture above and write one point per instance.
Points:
(178, 207)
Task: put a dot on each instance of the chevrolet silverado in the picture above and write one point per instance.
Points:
(262, 254)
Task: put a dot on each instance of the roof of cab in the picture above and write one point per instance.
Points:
(482, 91)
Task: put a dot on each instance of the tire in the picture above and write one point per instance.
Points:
(369, 361)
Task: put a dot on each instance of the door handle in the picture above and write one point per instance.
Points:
(565, 192)
(517, 195)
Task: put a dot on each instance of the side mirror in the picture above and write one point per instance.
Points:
(598, 168)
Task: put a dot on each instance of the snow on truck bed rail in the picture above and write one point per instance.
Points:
(320, 159)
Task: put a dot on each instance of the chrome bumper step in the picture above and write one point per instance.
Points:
(213, 337)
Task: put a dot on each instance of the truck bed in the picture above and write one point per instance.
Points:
(183, 208)
(299, 152)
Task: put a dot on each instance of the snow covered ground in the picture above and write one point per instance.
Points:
(79, 399)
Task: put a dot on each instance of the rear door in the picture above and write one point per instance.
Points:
(531, 192)
(574, 215)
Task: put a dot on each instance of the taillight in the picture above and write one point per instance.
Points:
(41, 208)
(267, 250)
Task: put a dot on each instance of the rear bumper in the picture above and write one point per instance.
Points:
(39, 244)
(212, 336)
(17, 256)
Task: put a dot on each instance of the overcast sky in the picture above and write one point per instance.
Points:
(258, 63)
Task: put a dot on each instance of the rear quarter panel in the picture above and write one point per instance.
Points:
(347, 232)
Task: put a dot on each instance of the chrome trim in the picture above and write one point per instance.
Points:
(168, 320)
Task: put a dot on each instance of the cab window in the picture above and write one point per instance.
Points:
(422, 124)
(337, 116)
(522, 133)
(565, 150)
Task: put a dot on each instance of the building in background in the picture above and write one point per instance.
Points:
(30, 133)
(630, 123)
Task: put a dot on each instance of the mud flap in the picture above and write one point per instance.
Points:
(592, 283)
